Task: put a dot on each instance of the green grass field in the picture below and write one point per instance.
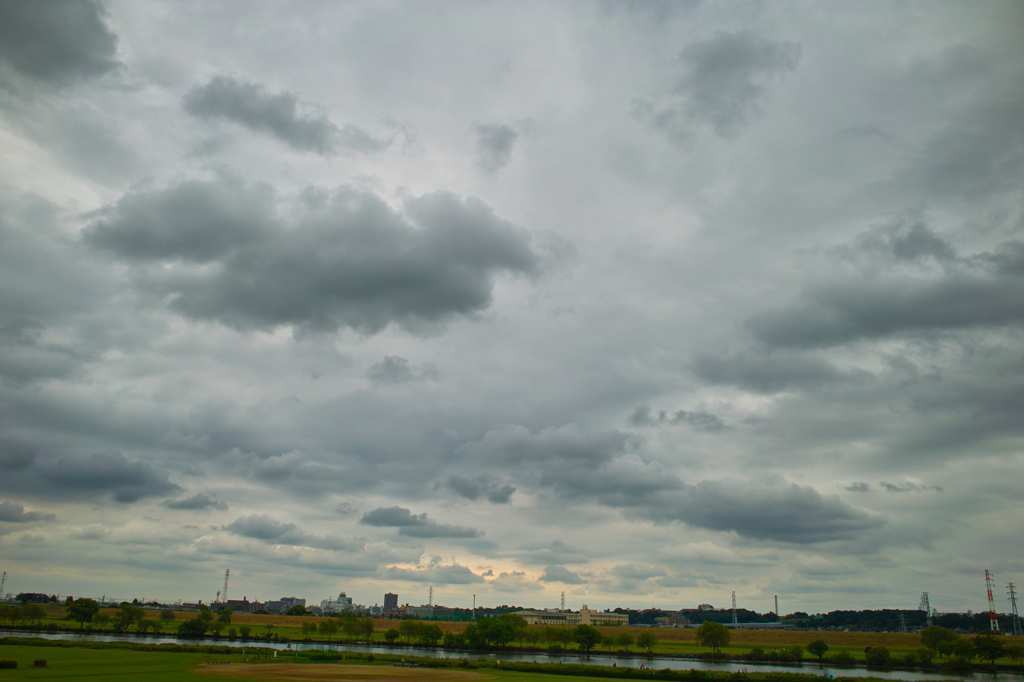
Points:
(103, 665)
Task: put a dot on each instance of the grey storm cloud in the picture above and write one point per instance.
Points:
(279, 115)
(439, 574)
(724, 85)
(264, 527)
(394, 369)
(794, 514)
(494, 144)
(561, 574)
(16, 455)
(348, 260)
(556, 552)
(771, 372)
(415, 525)
(57, 41)
(11, 512)
(909, 487)
(985, 290)
(704, 422)
(198, 502)
(570, 444)
(858, 487)
(494, 491)
(124, 479)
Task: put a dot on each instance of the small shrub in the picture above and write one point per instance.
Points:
(841, 658)
(369, 658)
(8, 664)
(555, 649)
(39, 663)
(877, 657)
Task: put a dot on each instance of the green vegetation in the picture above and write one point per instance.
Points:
(714, 635)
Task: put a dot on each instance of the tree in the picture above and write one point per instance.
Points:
(647, 640)
(101, 620)
(245, 630)
(587, 636)
(932, 637)
(392, 635)
(795, 652)
(328, 626)
(224, 615)
(818, 648)
(1015, 652)
(308, 628)
(877, 656)
(368, 629)
(988, 647)
(608, 642)
(963, 648)
(32, 613)
(714, 635)
(83, 611)
(167, 616)
(431, 634)
(625, 640)
(297, 610)
(194, 627)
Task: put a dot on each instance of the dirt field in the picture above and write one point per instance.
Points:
(345, 673)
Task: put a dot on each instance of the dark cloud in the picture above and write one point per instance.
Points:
(349, 259)
(794, 514)
(772, 372)
(896, 302)
(494, 143)
(438, 574)
(569, 444)
(15, 513)
(557, 552)
(908, 487)
(699, 421)
(858, 487)
(107, 472)
(561, 574)
(394, 369)
(264, 527)
(198, 502)
(16, 455)
(480, 486)
(250, 105)
(724, 85)
(192, 221)
(415, 525)
(57, 41)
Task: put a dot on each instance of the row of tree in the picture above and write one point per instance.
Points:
(30, 613)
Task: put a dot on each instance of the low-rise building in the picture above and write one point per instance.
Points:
(585, 616)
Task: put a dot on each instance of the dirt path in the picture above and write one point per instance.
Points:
(343, 673)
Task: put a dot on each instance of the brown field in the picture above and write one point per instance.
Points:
(740, 638)
(346, 673)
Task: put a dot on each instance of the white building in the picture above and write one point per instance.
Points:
(585, 616)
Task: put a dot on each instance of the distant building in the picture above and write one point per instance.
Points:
(705, 607)
(340, 605)
(281, 606)
(239, 605)
(390, 602)
(674, 620)
(585, 616)
(424, 612)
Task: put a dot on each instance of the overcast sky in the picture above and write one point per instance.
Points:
(645, 302)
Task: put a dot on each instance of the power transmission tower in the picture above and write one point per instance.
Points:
(227, 574)
(563, 600)
(993, 620)
(734, 621)
(2, 581)
(903, 624)
(1012, 591)
(430, 597)
(925, 606)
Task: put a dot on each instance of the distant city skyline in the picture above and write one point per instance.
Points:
(646, 302)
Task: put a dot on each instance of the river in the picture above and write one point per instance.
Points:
(672, 662)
